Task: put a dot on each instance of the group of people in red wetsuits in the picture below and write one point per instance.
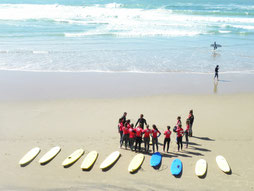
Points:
(132, 135)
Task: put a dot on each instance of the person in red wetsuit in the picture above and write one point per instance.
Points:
(179, 122)
(186, 132)
(167, 134)
(155, 136)
(131, 136)
(179, 133)
(147, 133)
(125, 137)
(120, 129)
(138, 131)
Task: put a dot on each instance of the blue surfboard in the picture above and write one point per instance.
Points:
(155, 159)
(176, 167)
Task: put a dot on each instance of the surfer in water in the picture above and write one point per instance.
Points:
(216, 72)
(215, 46)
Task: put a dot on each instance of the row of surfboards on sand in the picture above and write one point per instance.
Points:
(135, 164)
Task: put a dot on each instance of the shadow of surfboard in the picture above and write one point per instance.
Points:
(89, 169)
(204, 176)
(136, 171)
(24, 165)
(111, 166)
(68, 166)
(229, 173)
(43, 164)
(180, 174)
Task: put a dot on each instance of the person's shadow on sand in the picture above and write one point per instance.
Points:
(215, 86)
(203, 138)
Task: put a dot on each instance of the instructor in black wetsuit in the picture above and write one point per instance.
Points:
(141, 121)
(123, 117)
(216, 72)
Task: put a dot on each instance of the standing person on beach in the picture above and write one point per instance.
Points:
(216, 72)
(131, 136)
(124, 117)
(141, 121)
(147, 133)
(120, 129)
(155, 135)
(125, 137)
(138, 131)
(179, 122)
(179, 133)
(191, 119)
(186, 132)
(167, 134)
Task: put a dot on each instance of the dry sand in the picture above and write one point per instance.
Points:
(223, 125)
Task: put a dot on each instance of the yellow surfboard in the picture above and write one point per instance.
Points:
(50, 155)
(29, 156)
(110, 160)
(89, 160)
(73, 157)
(201, 167)
(136, 162)
(222, 164)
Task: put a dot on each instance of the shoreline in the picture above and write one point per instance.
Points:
(19, 85)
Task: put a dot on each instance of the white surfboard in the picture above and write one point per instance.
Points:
(73, 157)
(201, 167)
(136, 162)
(110, 160)
(89, 160)
(50, 155)
(222, 164)
(29, 156)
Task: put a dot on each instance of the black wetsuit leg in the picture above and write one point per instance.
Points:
(178, 143)
(187, 138)
(181, 142)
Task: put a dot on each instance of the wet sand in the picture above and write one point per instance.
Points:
(16, 85)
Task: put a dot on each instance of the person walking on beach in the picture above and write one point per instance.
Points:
(138, 131)
(179, 133)
(147, 133)
(216, 72)
(131, 137)
(120, 129)
(124, 117)
(186, 132)
(155, 135)
(167, 134)
(191, 119)
(125, 137)
(141, 121)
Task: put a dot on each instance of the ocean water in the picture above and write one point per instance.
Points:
(127, 35)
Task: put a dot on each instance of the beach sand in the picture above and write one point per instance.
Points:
(223, 126)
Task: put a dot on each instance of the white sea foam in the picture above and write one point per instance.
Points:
(220, 31)
(40, 52)
(115, 20)
(248, 27)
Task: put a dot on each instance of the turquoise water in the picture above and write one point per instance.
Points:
(126, 36)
